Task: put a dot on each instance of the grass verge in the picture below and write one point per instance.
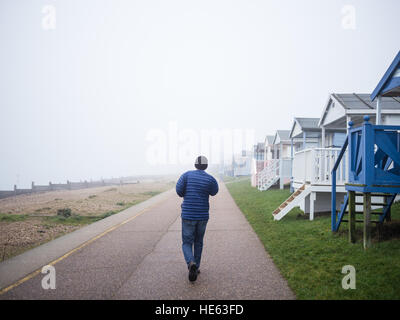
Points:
(6, 217)
(21, 232)
(311, 258)
(76, 220)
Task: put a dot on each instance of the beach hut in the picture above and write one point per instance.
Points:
(312, 167)
(278, 168)
(241, 163)
(373, 162)
(258, 161)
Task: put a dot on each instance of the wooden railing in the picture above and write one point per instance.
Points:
(315, 165)
(268, 173)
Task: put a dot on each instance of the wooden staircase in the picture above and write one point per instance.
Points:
(291, 202)
(384, 208)
(269, 183)
(268, 176)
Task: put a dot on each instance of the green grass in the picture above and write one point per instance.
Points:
(71, 220)
(229, 179)
(7, 217)
(77, 219)
(311, 258)
(64, 216)
(151, 193)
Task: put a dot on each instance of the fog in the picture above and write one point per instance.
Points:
(83, 84)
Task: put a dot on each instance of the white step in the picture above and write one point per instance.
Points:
(269, 184)
(293, 203)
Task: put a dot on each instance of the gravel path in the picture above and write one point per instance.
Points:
(143, 260)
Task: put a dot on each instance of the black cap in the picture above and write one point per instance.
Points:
(201, 163)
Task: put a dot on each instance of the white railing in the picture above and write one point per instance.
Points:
(315, 166)
(268, 173)
(286, 169)
(256, 167)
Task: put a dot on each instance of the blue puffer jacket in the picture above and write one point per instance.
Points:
(195, 187)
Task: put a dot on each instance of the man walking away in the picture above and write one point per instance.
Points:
(195, 187)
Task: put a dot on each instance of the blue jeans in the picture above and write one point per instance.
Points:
(192, 238)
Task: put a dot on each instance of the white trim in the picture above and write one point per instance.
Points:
(362, 112)
(313, 197)
(378, 120)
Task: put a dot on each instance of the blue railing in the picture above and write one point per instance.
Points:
(374, 165)
(335, 224)
(374, 158)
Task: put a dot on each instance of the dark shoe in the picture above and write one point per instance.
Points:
(192, 271)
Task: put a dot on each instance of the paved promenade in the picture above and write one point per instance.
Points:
(141, 258)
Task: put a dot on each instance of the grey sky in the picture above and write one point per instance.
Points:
(76, 102)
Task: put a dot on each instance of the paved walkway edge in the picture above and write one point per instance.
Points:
(15, 268)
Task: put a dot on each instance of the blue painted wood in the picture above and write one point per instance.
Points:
(388, 82)
(372, 150)
(343, 208)
(390, 85)
(333, 194)
(387, 208)
(333, 202)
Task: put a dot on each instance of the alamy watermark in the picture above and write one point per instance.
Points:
(180, 146)
(348, 17)
(49, 18)
(49, 280)
(349, 280)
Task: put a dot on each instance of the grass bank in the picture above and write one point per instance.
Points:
(31, 220)
(311, 258)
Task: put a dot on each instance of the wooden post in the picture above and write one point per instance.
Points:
(380, 231)
(389, 213)
(313, 157)
(281, 166)
(348, 119)
(367, 220)
(291, 166)
(352, 216)
(312, 202)
(378, 120)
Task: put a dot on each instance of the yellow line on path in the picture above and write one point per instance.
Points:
(35, 273)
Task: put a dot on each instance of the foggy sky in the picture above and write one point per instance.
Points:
(77, 102)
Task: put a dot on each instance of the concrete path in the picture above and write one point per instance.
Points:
(142, 259)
